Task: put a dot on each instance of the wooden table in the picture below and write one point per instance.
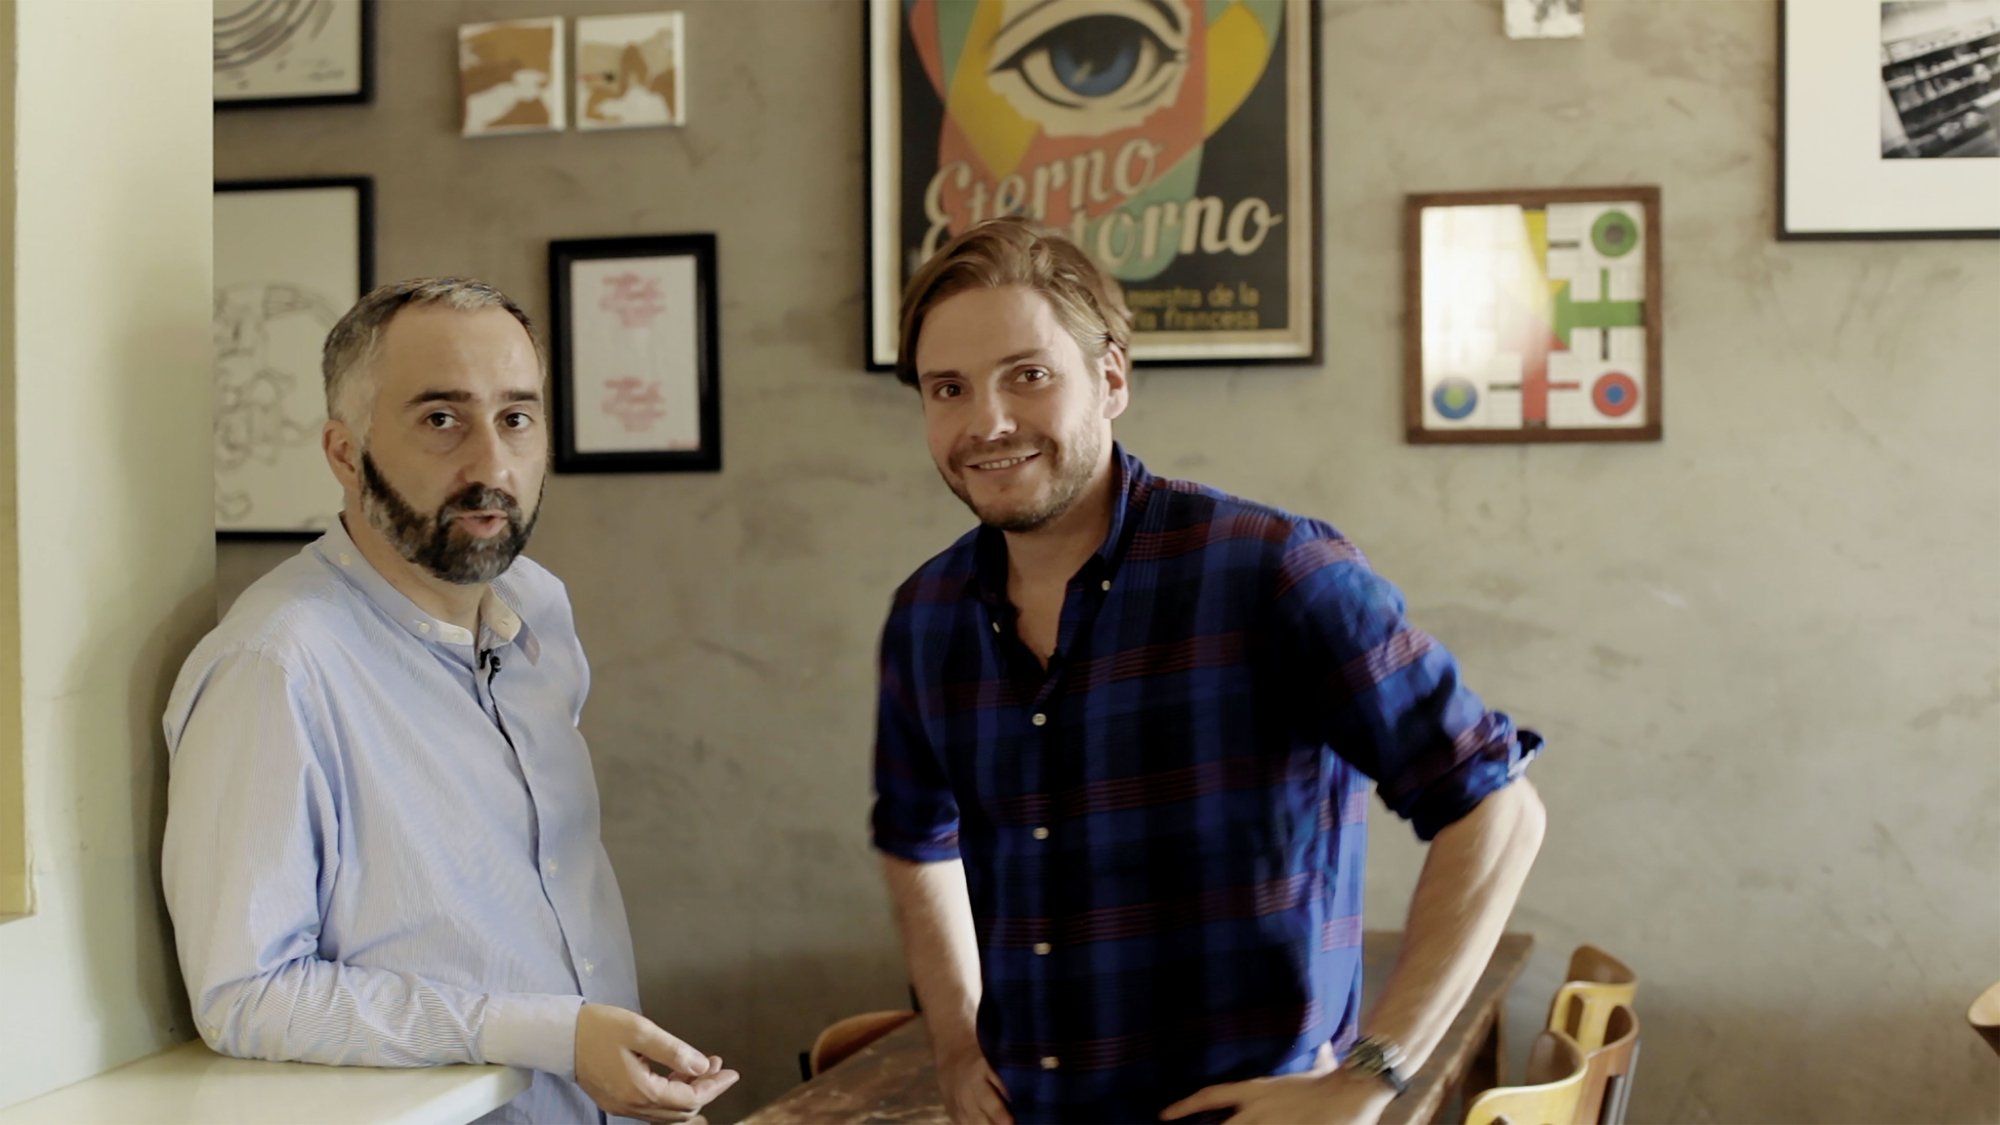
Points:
(891, 1080)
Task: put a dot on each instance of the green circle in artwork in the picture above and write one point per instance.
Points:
(1614, 234)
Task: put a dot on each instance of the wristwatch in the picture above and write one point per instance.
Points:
(1374, 1055)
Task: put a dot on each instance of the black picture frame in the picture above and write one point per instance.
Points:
(878, 301)
(565, 400)
(364, 252)
(1841, 180)
(362, 96)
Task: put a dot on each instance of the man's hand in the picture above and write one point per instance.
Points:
(615, 1050)
(1339, 1097)
(972, 1092)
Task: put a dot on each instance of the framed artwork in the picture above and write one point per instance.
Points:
(271, 53)
(1889, 119)
(1177, 141)
(1543, 19)
(510, 77)
(291, 256)
(1533, 316)
(635, 383)
(630, 71)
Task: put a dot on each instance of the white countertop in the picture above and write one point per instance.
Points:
(191, 1083)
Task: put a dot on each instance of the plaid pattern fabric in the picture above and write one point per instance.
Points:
(1164, 831)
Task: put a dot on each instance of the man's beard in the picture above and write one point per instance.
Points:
(1070, 467)
(427, 541)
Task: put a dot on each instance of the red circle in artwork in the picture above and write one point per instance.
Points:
(1615, 394)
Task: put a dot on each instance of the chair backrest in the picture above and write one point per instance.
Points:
(1597, 982)
(845, 1037)
(1554, 1083)
(1607, 1071)
(1985, 1016)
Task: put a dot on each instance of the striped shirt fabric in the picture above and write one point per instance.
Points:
(1164, 830)
(382, 842)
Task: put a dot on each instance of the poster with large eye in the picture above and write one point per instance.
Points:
(1174, 140)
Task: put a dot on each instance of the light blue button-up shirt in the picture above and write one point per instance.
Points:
(382, 843)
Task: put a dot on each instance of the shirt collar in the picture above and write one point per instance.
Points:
(1130, 482)
(500, 624)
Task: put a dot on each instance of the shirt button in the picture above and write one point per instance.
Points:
(1039, 719)
(549, 866)
(1105, 585)
(996, 626)
(1050, 1062)
(423, 626)
(346, 559)
(1042, 949)
(589, 968)
(1041, 833)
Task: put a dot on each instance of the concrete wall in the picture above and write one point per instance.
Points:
(1764, 649)
(108, 368)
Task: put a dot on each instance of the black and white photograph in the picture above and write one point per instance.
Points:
(1940, 79)
(1880, 107)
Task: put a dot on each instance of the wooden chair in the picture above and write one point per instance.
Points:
(845, 1037)
(1607, 1071)
(1553, 1087)
(1597, 982)
(1985, 1016)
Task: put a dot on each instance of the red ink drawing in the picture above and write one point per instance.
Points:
(635, 299)
(636, 403)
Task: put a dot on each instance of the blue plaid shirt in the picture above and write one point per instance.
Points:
(1164, 830)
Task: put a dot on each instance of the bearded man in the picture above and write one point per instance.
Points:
(382, 843)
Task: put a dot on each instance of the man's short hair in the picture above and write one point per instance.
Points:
(356, 341)
(1015, 251)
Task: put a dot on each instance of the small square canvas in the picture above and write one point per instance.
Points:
(630, 71)
(510, 77)
(1544, 19)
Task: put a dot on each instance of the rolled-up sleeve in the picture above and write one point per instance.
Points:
(916, 812)
(1388, 696)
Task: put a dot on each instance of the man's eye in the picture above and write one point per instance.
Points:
(520, 420)
(1034, 374)
(439, 419)
(947, 390)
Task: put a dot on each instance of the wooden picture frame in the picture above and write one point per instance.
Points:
(291, 257)
(278, 54)
(1521, 320)
(634, 348)
(1211, 222)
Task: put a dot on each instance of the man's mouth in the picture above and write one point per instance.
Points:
(1000, 464)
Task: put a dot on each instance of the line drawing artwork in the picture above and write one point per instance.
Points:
(265, 410)
(253, 31)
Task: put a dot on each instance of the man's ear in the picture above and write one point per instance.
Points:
(1116, 367)
(343, 455)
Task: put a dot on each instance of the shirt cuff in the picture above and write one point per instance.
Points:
(1453, 796)
(534, 1030)
(918, 851)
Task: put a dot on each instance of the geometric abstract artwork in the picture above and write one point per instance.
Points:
(510, 77)
(629, 71)
(1534, 316)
